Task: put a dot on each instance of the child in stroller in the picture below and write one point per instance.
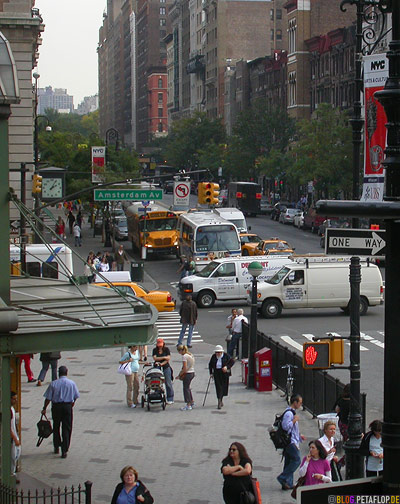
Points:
(154, 387)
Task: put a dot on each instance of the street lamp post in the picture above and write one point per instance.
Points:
(112, 137)
(255, 270)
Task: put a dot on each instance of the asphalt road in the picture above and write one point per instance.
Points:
(295, 326)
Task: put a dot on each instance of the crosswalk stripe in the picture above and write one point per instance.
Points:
(292, 342)
(169, 327)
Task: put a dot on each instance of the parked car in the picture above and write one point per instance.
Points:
(312, 220)
(287, 217)
(169, 186)
(298, 220)
(121, 229)
(265, 206)
(249, 242)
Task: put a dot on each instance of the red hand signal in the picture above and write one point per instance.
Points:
(311, 355)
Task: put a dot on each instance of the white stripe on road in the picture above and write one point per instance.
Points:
(292, 342)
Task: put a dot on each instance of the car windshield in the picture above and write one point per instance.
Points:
(250, 239)
(206, 272)
(279, 275)
(159, 224)
(217, 238)
(291, 211)
(122, 223)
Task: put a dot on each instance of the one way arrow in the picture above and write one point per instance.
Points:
(375, 243)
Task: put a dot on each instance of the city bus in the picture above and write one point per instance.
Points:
(43, 260)
(205, 236)
(154, 229)
(246, 196)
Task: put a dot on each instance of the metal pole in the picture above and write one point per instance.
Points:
(22, 218)
(36, 161)
(354, 461)
(252, 333)
(390, 99)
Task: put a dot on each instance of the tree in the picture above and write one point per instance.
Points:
(323, 152)
(257, 131)
(189, 139)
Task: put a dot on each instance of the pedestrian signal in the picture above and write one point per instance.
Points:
(316, 355)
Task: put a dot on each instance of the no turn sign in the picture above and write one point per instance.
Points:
(181, 193)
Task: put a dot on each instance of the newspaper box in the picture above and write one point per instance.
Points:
(245, 370)
(263, 370)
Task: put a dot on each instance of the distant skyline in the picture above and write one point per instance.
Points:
(68, 56)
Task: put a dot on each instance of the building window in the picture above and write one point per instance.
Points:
(271, 14)
(163, 11)
(162, 1)
(292, 36)
(278, 13)
(163, 22)
(278, 34)
(160, 112)
(292, 88)
(160, 128)
(160, 83)
(160, 97)
(272, 34)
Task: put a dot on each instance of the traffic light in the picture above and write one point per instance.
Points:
(36, 184)
(201, 192)
(321, 354)
(212, 193)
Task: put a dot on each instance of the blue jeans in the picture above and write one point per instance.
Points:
(168, 383)
(292, 462)
(182, 334)
(234, 343)
(45, 367)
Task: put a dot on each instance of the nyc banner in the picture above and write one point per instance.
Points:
(98, 164)
(376, 70)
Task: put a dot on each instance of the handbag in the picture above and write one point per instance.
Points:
(44, 429)
(247, 497)
(300, 482)
(256, 490)
(125, 369)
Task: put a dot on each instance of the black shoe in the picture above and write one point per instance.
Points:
(32, 380)
(189, 346)
(285, 486)
(63, 455)
(57, 450)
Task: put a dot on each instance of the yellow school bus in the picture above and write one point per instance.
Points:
(155, 229)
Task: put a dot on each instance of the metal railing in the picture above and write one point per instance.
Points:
(318, 388)
(73, 495)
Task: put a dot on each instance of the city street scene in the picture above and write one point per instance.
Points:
(200, 282)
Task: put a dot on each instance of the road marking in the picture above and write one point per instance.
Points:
(292, 342)
(309, 336)
(169, 327)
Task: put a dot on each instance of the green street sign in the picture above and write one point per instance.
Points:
(127, 194)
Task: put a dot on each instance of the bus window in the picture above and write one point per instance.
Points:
(216, 238)
(33, 269)
(50, 270)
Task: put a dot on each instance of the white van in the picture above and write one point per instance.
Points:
(234, 216)
(308, 284)
(227, 278)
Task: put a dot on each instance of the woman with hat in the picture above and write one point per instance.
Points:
(219, 366)
(162, 356)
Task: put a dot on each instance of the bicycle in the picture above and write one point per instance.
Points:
(289, 382)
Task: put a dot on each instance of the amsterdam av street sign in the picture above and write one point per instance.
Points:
(116, 194)
(369, 242)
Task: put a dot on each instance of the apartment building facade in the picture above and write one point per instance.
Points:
(56, 99)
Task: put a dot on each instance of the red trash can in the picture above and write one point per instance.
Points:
(263, 370)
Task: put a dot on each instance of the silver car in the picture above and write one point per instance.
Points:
(287, 217)
(121, 229)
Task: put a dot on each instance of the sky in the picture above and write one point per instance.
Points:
(67, 56)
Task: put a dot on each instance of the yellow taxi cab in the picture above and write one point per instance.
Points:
(273, 246)
(249, 242)
(162, 300)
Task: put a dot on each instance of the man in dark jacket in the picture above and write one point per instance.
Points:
(48, 359)
(188, 313)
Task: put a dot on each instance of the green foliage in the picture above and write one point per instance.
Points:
(191, 138)
(257, 131)
(323, 152)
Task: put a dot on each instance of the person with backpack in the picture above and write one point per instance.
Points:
(291, 453)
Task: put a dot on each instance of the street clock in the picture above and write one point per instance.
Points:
(53, 183)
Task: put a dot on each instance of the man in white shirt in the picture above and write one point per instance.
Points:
(236, 332)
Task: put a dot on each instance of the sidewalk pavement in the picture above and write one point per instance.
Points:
(177, 453)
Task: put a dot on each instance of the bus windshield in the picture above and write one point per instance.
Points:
(239, 223)
(217, 238)
(159, 224)
(206, 272)
(274, 280)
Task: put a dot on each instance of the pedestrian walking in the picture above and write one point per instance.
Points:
(77, 235)
(120, 258)
(48, 359)
(71, 220)
(162, 357)
(62, 394)
(15, 441)
(188, 313)
(371, 447)
(26, 359)
(229, 321)
(342, 408)
(236, 332)
(220, 368)
(60, 228)
(79, 219)
(132, 380)
(131, 489)
(104, 266)
(315, 467)
(328, 442)
(236, 470)
(89, 269)
(186, 375)
(290, 423)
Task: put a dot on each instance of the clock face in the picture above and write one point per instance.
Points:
(52, 187)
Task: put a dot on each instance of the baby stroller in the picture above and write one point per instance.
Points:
(154, 388)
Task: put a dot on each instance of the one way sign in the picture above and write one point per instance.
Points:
(364, 242)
